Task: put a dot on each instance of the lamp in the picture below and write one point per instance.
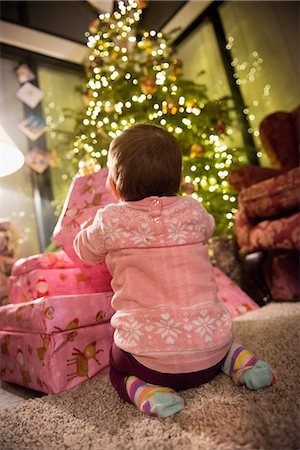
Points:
(11, 158)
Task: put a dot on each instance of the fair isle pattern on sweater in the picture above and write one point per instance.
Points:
(167, 313)
(125, 226)
(175, 330)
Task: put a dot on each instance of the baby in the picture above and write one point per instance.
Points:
(171, 330)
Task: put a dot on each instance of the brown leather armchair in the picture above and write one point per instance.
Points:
(267, 223)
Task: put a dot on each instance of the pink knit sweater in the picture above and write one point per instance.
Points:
(167, 314)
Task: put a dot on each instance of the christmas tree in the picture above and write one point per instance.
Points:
(135, 77)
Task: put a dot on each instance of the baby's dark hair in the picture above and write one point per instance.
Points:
(145, 160)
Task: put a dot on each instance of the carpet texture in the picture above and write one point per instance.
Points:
(217, 416)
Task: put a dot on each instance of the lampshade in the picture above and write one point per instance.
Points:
(11, 158)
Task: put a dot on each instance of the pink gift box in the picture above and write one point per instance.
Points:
(52, 274)
(53, 344)
(234, 298)
(86, 195)
(45, 282)
(57, 362)
(57, 260)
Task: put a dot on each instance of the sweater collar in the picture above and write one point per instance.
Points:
(149, 201)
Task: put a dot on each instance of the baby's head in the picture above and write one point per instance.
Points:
(144, 161)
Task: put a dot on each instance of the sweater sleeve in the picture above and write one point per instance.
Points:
(88, 243)
(208, 222)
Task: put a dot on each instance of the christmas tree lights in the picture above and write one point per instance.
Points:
(134, 77)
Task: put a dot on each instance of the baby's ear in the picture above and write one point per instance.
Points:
(114, 190)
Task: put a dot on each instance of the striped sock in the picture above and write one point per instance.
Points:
(244, 368)
(153, 400)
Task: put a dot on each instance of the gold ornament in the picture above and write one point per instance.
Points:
(197, 150)
(149, 85)
(172, 108)
(175, 69)
(191, 103)
(147, 45)
(177, 64)
(142, 4)
(189, 188)
(94, 26)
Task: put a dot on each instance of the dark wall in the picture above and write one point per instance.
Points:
(70, 19)
(66, 19)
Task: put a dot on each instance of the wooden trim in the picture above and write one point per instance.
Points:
(42, 43)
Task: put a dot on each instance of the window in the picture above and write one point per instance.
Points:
(262, 63)
(264, 42)
(28, 198)
(60, 105)
(16, 190)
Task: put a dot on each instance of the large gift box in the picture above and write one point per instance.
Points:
(54, 343)
(62, 272)
(86, 195)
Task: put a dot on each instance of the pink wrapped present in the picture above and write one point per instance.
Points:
(58, 260)
(236, 300)
(51, 274)
(53, 344)
(86, 195)
(44, 282)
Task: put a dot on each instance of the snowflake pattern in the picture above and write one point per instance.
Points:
(131, 332)
(205, 325)
(168, 328)
(113, 231)
(177, 232)
(209, 328)
(126, 225)
(142, 235)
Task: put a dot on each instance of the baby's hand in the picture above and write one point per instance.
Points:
(87, 223)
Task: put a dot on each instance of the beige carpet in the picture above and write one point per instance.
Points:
(218, 415)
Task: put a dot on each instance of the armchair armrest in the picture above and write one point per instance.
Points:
(243, 177)
(277, 195)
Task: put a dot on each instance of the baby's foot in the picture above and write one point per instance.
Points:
(153, 400)
(258, 376)
(245, 368)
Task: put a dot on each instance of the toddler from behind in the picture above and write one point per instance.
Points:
(171, 330)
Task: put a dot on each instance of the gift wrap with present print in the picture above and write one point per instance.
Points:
(51, 274)
(54, 343)
(235, 299)
(86, 195)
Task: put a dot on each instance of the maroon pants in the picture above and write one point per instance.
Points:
(123, 364)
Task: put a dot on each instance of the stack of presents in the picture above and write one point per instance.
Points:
(55, 331)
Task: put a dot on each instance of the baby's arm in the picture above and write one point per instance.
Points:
(207, 221)
(88, 243)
